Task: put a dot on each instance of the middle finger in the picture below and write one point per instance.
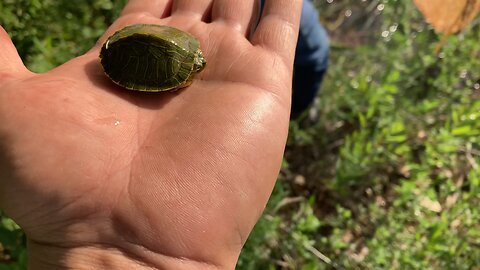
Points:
(158, 8)
(238, 14)
(198, 9)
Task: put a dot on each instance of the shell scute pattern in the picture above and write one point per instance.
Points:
(152, 58)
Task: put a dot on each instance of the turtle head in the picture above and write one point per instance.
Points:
(200, 61)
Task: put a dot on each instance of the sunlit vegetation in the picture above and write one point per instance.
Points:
(381, 173)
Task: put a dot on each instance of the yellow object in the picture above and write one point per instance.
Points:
(448, 16)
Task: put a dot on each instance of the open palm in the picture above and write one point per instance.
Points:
(98, 175)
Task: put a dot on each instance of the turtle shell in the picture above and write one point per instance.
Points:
(152, 58)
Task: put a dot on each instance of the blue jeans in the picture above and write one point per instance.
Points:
(311, 59)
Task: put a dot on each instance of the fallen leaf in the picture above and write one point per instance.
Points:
(404, 171)
(422, 134)
(360, 257)
(347, 236)
(300, 180)
(451, 200)
(455, 223)
(449, 16)
(380, 201)
(431, 205)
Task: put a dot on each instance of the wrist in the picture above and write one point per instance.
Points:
(42, 257)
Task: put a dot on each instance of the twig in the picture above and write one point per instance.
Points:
(287, 201)
(471, 160)
(319, 255)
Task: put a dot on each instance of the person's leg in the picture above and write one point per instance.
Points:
(311, 59)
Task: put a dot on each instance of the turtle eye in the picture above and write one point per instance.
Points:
(200, 62)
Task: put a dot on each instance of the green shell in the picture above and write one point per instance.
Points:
(152, 58)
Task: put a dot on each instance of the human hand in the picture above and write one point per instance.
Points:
(101, 177)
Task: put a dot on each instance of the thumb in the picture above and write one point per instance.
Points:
(11, 64)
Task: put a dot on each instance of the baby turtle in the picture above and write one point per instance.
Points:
(152, 58)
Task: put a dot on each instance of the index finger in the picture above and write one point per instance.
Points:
(278, 27)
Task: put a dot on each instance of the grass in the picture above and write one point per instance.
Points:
(382, 173)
